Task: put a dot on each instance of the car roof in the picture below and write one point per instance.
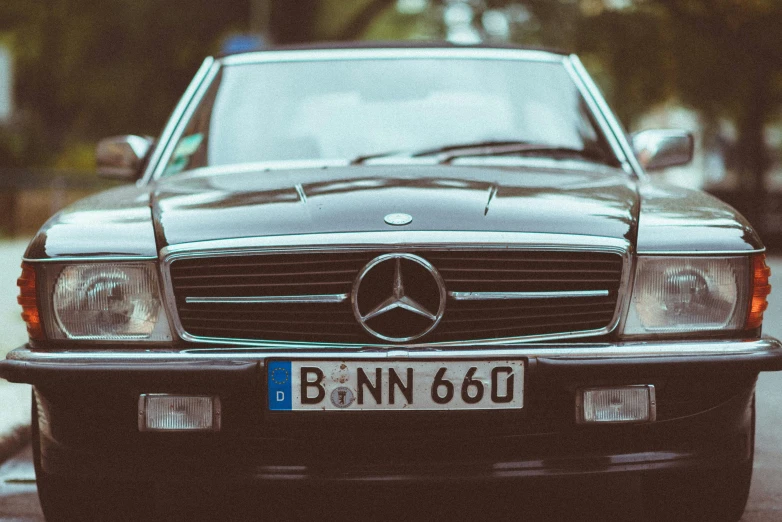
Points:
(407, 45)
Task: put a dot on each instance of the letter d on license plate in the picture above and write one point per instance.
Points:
(327, 385)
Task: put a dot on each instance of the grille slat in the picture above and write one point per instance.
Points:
(253, 333)
(257, 276)
(583, 324)
(332, 311)
(314, 273)
(501, 306)
(234, 320)
(348, 319)
(512, 255)
(526, 271)
(531, 317)
(266, 285)
(606, 281)
(465, 307)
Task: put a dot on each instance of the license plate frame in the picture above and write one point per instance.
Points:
(503, 388)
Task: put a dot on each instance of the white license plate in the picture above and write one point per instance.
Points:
(320, 385)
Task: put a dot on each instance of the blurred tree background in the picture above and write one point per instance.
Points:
(85, 69)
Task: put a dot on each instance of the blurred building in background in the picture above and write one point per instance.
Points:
(6, 85)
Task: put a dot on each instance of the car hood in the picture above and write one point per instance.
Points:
(204, 205)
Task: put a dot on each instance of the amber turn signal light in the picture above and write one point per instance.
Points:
(760, 291)
(28, 298)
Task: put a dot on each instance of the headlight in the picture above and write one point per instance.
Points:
(102, 301)
(689, 294)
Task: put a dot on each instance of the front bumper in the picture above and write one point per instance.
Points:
(27, 365)
(88, 400)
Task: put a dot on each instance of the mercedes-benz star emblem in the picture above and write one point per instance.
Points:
(398, 219)
(398, 297)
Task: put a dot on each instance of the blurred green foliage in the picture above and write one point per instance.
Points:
(91, 68)
(720, 57)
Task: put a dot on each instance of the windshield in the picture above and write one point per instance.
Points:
(347, 109)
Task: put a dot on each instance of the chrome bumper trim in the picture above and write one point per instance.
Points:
(632, 350)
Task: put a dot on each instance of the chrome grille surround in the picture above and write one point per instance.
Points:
(398, 241)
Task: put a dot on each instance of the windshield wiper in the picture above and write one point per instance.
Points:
(358, 160)
(458, 147)
(449, 153)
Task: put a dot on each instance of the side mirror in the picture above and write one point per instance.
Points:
(122, 157)
(660, 149)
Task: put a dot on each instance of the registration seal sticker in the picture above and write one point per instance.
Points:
(342, 397)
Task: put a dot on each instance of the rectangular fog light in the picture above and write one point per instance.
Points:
(163, 412)
(616, 404)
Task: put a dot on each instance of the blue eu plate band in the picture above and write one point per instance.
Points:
(279, 385)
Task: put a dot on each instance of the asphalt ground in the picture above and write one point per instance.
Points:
(604, 499)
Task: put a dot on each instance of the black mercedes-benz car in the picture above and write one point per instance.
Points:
(349, 267)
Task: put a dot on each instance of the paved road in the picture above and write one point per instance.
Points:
(19, 503)
(18, 497)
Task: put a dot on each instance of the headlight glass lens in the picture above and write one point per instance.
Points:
(107, 302)
(689, 294)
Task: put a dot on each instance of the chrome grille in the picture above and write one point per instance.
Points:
(209, 291)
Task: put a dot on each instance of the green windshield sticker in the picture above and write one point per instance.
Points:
(175, 166)
(188, 145)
